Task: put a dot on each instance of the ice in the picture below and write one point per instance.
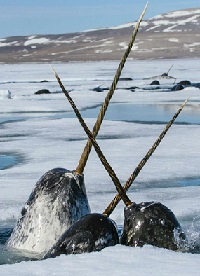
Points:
(117, 260)
(43, 131)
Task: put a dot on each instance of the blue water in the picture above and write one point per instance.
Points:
(140, 113)
(143, 113)
(7, 161)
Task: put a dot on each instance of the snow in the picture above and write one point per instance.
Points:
(161, 22)
(43, 40)
(103, 51)
(4, 44)
(44, 132)
(182, 13)
(175, 14)
(188, 20)
(31, 37)
(172, 20)
(172, 24)
(157, 17)
(40, 40)
(170, 29)
(173, 40)
(127, 25)
(195, 44)
(175, 19)
(123, 45)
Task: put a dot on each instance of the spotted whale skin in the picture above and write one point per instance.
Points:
(92, 232)
(58, 200)
(151, 223)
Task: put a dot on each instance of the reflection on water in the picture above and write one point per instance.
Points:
(141, 113)
(5, 234)
(11, 256)
(166, 183)
(8, 256)
(144, 113)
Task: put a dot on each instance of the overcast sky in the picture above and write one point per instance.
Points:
(28, 17)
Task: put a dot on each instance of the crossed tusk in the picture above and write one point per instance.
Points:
(88, 146)
(91, 135)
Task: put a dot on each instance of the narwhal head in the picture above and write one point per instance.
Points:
(58, 200)
(93, 232)
(151, 223)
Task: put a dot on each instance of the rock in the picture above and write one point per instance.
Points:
(155, 82)
(9, 94)
(42, 91)
(125, 79)
(185, 82)
(132, 88)
(164, 75)
(177, 87)
(99, 89)
(197, 85)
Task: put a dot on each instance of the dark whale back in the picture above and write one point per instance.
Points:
(58, 200)
(92, 232)
(151, 223)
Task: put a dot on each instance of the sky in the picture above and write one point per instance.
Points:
(29, 17)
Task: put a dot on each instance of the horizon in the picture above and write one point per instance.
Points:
(19, 18)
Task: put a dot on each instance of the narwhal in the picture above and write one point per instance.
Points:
(57, 201)
(144, 223)
(59, 198)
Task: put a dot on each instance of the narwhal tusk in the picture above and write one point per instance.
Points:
(87, 149)
(88, 146)
(104, 161)
(137, 170)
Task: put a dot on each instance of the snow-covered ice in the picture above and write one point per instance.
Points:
(43, 133)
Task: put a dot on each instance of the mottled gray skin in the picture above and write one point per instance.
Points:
(92, 232)
(151, 223)
(58, 200)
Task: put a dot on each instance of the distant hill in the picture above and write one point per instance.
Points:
(171, 35)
